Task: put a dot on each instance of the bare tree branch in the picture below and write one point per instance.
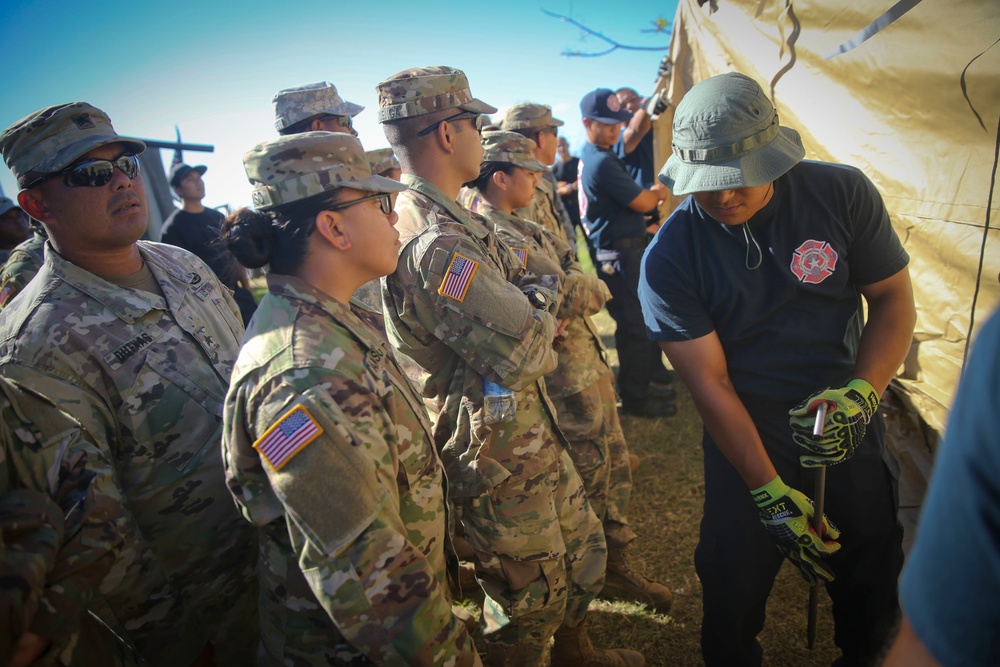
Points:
(660, 25)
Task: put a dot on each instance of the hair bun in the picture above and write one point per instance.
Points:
(249, 235)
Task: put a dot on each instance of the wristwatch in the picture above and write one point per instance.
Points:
(538, 299)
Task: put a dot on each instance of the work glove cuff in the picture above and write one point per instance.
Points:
(862, 393)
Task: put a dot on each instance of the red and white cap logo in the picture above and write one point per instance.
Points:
(613, 103)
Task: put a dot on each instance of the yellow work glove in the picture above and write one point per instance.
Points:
(787, 514)
(849, 409)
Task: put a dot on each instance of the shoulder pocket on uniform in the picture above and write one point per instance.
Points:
(462, 285)
(330, 488)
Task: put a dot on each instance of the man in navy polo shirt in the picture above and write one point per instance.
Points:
(611, 207)
(753, 287)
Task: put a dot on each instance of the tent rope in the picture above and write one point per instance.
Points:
(982, 247)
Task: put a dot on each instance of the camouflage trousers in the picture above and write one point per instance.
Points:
(589, 420)
(540, 551)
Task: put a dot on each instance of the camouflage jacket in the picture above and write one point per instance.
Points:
(146, 375)
(363, 496)
(61, 522)
(21, 267)
(455, 307)
(582, 357)
(547, 210)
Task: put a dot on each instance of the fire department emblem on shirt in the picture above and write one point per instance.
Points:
(814, 262)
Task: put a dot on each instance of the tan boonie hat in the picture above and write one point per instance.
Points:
(511, 147)
(54, 137)
(299, 166)
(299, 103)
(528, 116)
(382, 159)
(423, 90)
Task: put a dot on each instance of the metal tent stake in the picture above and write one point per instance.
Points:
(819, 493)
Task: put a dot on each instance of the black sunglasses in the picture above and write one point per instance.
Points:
(345, 122)
(478, 119)
(383, 198)
(93, 173)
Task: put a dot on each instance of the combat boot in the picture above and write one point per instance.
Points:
(621, 582)
(572, 648)
(514, 655)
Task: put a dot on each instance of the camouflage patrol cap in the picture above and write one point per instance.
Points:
(382, 159)
(293, 105)
(529, 116)
(511, 147)
(299, 166)
(52, 138)
(423, 90)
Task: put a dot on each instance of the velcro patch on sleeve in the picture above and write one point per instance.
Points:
(7, 292)
(459, 276)
(288, 437)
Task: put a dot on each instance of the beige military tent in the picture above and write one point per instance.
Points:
(909, 92)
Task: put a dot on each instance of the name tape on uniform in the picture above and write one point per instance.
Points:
(288, 437)
(458, 278)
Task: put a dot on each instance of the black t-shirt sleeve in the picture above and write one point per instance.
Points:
(671, 305)
(876, 252)
(611, 178)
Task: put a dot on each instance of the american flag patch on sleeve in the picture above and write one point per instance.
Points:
(521, 254)
(287, 437)
(458, 278)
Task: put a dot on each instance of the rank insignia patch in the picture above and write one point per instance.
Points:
(458, 278)
(287, 437)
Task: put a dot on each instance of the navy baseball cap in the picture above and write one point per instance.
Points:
(603, 106)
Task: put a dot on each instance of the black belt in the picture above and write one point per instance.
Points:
(630, 242)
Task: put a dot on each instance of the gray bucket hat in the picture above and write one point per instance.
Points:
(54, 137)
(299, 103)
(299, 166)
(727, 136)
(511, 147)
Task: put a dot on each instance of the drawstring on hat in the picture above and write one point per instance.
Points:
(748, 236)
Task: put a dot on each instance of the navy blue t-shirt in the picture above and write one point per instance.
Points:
(792, 325)
(606, 190)
(638, 163)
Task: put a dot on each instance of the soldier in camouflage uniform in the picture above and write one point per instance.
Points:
(582, 386)
(461, 305)
(61, 527)
(314, 107)
(14, 228)
(22, 265)
(535, 122)
(328, 448)
(140, 355)
(384, 163)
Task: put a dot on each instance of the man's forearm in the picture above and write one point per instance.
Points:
(888, 333)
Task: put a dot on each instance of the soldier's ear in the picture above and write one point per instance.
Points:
(500, 180)
(33, 205)
(329, 229)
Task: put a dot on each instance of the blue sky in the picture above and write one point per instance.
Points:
(211, 68)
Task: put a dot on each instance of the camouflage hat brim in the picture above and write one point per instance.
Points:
(55, 137)
(424, 90)
(429, 105)
(70, 154)
(315, 183)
